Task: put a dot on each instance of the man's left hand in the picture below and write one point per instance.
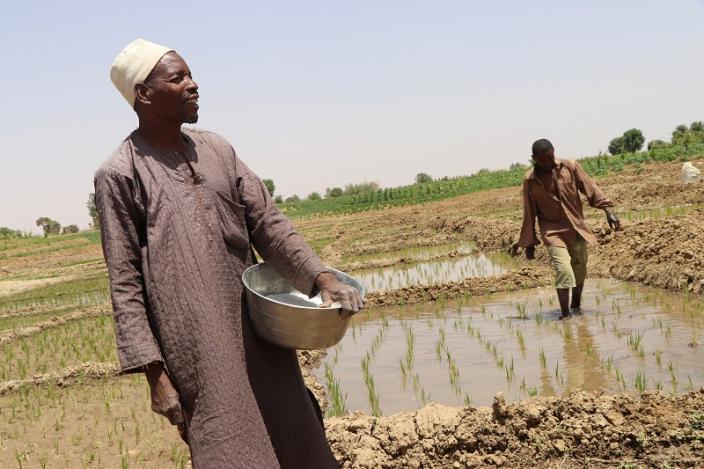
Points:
(613, 220)
(331, 289)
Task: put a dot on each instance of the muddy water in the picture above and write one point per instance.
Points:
(433, 272)
(627, 338)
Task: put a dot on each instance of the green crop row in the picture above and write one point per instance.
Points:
(597, 166)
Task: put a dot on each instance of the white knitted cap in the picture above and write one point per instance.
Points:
(134, 64)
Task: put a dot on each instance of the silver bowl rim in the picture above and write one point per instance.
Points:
(335, 305)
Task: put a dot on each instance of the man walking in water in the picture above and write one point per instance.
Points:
(551, 193)
(178, 210)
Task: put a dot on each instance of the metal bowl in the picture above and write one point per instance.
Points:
(284, 316)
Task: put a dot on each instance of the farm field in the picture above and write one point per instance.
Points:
(451, 321)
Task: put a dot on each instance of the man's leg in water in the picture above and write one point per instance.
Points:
(563, 295)
(578, 261)
(564, 276)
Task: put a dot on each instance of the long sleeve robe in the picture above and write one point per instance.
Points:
(559, 211)
(176, 233)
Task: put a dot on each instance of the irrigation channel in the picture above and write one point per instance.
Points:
(627, 338)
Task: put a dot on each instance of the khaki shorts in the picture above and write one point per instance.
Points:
(570, 263)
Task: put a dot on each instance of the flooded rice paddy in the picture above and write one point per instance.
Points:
(627, 338)
(421, 266)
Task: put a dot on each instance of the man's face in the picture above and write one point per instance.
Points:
(172, 93)
(545, 160)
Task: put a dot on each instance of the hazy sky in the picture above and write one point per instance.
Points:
(320, 94)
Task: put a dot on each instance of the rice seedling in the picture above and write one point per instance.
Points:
(521, 341)
(634, 340)
(337, 399)
(416, 383)
(640, 382)
(539, 319)
(454, 372)
(543, 360)
(424, 398)
(510, 372)
(372, 393)
(620, 381)
(410, 347)
(438, 351)
(657, 385)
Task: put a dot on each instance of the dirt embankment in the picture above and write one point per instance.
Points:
(64, 377)
(584, 430)
(666, 253)
(38, 327)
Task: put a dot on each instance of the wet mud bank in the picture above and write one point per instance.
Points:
(582, 430)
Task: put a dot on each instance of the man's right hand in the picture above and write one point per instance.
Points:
(530, 251)
(165, 398)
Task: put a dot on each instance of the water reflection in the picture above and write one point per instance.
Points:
(581, 354)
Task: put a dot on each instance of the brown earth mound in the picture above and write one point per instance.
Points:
(583, 430)
(666, 253)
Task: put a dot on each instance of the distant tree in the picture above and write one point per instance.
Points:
(70, 229)
(7, 233)
(516, 166)
(697, 126)
(278, 199)
(331, 193)
(361, 188)
(616, 146)
(292, 199)
(679, 131)
(633, 140)
(49, 226)
(93, 211)
(314, 196)
(653, 144)
(270, 186)
(422, 178)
